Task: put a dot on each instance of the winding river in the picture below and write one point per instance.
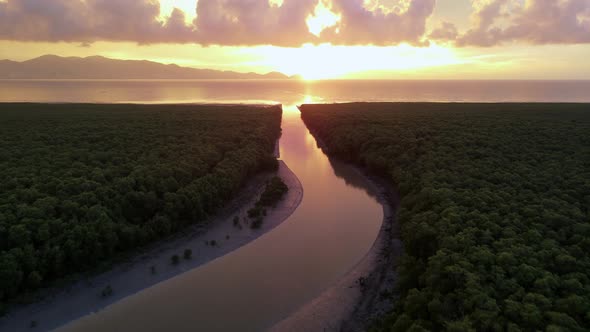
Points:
(263, 282)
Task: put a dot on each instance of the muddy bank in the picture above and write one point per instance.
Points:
(376, 287)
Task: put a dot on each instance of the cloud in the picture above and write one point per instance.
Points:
(360, 25)
(85, 21)
(285, 22)
(545, 21)
(221, 22)
(446, 31)
(247, 22)
(535, 22)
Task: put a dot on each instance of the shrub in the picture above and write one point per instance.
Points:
(257, 223)
(188, 254)
(107, 291)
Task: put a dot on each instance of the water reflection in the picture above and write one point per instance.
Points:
(352, 177)
(264, 281)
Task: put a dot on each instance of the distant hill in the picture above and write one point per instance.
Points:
(97, 67)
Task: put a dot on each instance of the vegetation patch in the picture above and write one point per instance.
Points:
(188, 254)
(274, 191)
(175, 259)
(83, 184)
(107, 291)
(494, 213)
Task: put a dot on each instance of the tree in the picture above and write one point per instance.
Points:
(83, 184)
(107, 291)
(493, 211)
(188, 254)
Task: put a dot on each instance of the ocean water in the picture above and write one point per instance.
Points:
(290, 92)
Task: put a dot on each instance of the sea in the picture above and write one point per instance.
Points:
(290, 92)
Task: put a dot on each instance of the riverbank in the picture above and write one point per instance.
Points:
(220, 237)
(379, 278)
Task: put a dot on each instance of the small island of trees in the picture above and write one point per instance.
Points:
(274, 191)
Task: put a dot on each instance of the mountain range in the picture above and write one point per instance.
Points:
(98, 67)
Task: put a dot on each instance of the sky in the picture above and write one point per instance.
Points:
(317, 39)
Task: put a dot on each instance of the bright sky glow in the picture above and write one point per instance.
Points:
(322, 19)
(327, 61)
(189, 7)
(276, 3)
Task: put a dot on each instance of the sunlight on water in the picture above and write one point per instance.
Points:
(290, 92)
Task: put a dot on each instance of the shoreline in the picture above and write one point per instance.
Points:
(83, 297)
(379, 277)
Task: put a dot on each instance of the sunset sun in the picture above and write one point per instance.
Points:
(327, 61)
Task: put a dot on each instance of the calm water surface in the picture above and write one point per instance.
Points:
(333, 228)
(292, 91)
